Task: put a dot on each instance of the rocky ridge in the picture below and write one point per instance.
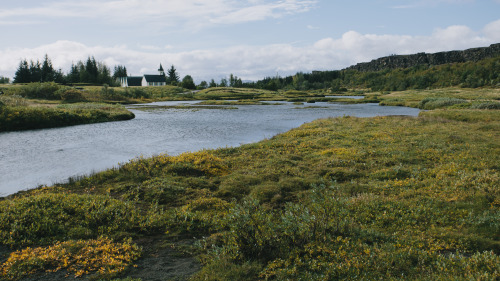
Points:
(406, 61)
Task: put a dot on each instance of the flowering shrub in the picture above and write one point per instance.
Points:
(101, 256)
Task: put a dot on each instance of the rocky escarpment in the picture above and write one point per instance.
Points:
(405, 61)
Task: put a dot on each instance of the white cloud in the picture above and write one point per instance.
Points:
(492, 30)
(256, 62)
(194, 13)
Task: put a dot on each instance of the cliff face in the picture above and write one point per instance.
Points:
(405, 61)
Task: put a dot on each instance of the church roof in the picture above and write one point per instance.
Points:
(134, 81)
(155, 78)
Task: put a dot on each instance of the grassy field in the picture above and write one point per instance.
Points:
(346, 198)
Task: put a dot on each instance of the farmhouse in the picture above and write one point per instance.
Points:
(145, 80)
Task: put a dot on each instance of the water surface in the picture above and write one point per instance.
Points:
(43, 157)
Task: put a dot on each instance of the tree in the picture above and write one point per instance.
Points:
(120, 71)
(212, 84)
(203, 85)
(23, 74)
(4, 80)
(47, 71)
(35, 71)
(91, 70)
(223, 82)
(74, 74)
(188, 82)
(173, 77)
(103, 74)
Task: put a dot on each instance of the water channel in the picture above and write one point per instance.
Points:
(44, 157)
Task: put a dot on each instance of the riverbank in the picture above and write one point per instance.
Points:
(337, 198)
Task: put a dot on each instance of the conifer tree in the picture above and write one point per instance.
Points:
(173, 77)
(47, 72)
(22, 74)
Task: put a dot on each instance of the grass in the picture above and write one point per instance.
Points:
(22, 116)
(414, 198)
(412, 98)
(48, 105)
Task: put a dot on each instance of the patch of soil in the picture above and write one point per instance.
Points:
(162, 261)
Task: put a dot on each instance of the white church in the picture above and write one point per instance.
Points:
(145, 80)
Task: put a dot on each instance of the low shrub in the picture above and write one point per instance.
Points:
(486, 105)
(433, 103)
(45, 218)
(48, 90)
(71, 95)
(101, 257)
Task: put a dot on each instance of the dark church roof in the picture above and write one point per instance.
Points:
(133, 81)
(155, 78)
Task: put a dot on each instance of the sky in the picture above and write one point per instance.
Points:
(252, 39)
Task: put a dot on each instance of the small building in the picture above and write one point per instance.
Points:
(145, 80)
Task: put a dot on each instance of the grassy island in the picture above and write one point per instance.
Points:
(49, 105)
(383, 198)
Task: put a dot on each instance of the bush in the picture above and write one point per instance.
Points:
(71, 95)
(101, 256)
(47, 90)
(433, 103)
(46, 218)
(486, 105)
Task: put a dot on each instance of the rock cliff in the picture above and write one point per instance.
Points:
(405, 61)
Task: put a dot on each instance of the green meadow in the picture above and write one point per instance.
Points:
(383, 198)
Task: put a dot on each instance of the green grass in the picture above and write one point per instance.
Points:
(14, 118)
(412, 98)
(390, 198)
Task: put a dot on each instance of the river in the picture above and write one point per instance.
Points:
(44, 157)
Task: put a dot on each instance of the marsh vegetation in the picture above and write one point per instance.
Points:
(414, 198)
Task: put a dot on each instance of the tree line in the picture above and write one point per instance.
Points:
(84, 72)
(89, 72)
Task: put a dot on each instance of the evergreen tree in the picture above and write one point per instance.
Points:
(103, 74)
(74, 74)
(173, 77)
(35, 71)
(22, 74)
(120, 71)
(4, 80)
(90, 72)
(47, 71)
(212, 84)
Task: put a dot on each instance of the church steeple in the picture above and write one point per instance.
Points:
(162, 72)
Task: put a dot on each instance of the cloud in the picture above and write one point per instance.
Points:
(492, 30)
(256, 62)
(193, 13)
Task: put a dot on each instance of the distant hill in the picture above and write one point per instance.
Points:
(407, 61)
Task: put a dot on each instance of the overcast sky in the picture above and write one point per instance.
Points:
(249, 38)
